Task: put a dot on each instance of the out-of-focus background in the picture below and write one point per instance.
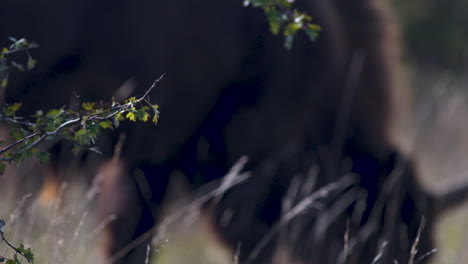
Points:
(435, 35)
(436, 55)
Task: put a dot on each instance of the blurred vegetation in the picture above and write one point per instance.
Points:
(284, 18)
(435, 32)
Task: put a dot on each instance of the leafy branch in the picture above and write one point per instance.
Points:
(81, 127)
(18, 45)
(282, 17)
(21, 250)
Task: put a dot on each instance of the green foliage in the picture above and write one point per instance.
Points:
(283, 18)
(81, 128)
(18, 45)
(25, 253)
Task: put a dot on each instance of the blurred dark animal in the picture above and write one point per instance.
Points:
(323, 113)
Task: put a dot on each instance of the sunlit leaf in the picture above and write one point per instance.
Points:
(291, 29)
(142, 115)
(31, 62)
(11, 109)
(54, 113)
(5, 81)
(105, 124)
(80, 132)
(155, 119)
(131, 116)
(88, 106)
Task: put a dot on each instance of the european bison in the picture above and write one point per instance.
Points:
(329, 180)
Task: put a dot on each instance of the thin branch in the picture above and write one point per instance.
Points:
(15, 121)
(16, 50)
(14, 248)
(151, 88)
(93, 117)
(5, 149)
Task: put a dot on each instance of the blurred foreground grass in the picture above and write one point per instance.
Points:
(66, 231)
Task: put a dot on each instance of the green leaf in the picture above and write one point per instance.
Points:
(155, 119)
(88, 106)
(20, 248)
(156, 113)
(54, 113)
(31, 62)
(83, 137)
(131, 116)
(17, 132)
(5, 81)
(10, 110)
(81, 132)
(142, 115)
(15, 106)
(80, 135)
(291, 29)
(94, 130)
(274, 27)
(275, 19)
(106, 124)
(28, 254)
(312, 31)
(117, 118)
(131, 100)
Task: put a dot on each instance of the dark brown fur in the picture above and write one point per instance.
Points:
(233, 87)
